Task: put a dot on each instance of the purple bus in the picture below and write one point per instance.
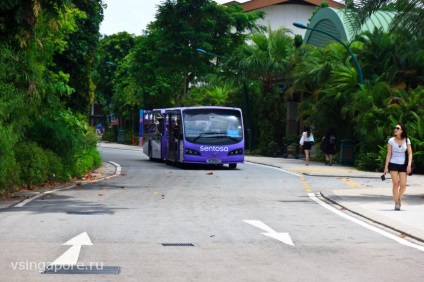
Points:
(196, 135)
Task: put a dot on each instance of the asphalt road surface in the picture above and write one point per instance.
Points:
(161, 223)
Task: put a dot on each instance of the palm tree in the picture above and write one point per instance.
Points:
(409, 18)
(266, 58)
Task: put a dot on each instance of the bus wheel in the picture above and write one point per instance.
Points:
(232, 166)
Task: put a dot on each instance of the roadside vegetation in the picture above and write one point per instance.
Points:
(46, 89)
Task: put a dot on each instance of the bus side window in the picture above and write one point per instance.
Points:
(147, 124)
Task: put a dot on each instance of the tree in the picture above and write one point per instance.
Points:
(267, 57)
(183, 26)
(79, 57)
(31, 92)
(408, 20)
(112, 49)
(21, 17)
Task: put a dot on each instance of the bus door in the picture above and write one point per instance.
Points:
(173, 135)
(156, 139)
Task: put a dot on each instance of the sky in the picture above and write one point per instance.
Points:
(131, 16)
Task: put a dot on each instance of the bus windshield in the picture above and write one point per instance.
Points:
(213, 126)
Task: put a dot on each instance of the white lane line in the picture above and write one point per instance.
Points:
(277, 168)
(23, 203)
(355, 220)
(366, 225)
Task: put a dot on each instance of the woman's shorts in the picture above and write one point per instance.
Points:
(397, 167)
(307, 145)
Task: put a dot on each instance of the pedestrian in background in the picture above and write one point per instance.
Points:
(99, 128)
(399, 162)
(328, 145)
(306, 142)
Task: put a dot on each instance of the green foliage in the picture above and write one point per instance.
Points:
(88, 159)
(269, 148)
(110, 134)
(258, 66)
(66, 135)
(78, 58)
(369, 162)
(367, 113)
(32, 163)
(39, 140)
(8, 165)
(292, 139)
(408, 20)
(37, 165)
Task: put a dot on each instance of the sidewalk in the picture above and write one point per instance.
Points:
(373, 201)
(106, 171)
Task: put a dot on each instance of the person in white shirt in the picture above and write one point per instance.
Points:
(306, 142)
(397, 149)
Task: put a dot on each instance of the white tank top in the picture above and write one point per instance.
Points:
(398, 152)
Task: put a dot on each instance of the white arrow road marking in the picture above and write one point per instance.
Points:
(283, 237)
(70, 257)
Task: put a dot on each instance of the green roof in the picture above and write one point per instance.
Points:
(335, 21)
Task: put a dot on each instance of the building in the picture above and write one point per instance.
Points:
(284, 12)
(335, 22)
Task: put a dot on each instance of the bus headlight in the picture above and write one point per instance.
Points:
(192, 152)
(236, 152)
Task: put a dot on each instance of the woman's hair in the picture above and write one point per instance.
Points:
(404, 134)
(330, 131)
(308, 131)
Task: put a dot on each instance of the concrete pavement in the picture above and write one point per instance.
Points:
(370, 200)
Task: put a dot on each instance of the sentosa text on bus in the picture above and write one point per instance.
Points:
(196, 135)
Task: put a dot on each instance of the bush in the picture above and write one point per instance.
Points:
(32, 162)
(8, 168)
(292, 139)
(369, 162)
(110, 134)
(89, 160)
(269, 148)
(69, 137)
(56, 171)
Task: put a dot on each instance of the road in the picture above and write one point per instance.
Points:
(160, 223)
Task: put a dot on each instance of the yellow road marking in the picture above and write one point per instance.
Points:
(350, 182)
(320, 170)
(305, 184)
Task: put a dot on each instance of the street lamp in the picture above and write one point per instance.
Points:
(358, 67)
(210, 54)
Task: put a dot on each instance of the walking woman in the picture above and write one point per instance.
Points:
(328, 145)
(307, 141)
(397, 149)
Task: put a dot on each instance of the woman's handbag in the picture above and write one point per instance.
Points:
(311, 139)
(302, 140)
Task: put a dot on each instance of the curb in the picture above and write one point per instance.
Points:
(406, 234)
(21, 203)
